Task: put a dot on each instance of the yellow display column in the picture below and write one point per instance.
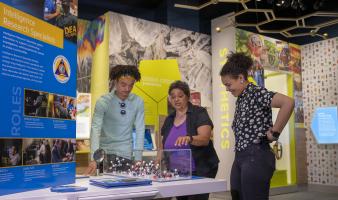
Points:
(100, 67)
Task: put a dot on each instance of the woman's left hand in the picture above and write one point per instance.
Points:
(269, 135)
(182, 141)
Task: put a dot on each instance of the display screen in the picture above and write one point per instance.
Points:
(148, 141)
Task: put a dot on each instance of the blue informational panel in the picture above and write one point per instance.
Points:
(38, 85)
(324, 125)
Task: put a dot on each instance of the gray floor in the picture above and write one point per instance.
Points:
(304, 195)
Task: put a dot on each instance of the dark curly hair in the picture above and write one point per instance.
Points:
(124, 70)
(180, 85)
(237, 63)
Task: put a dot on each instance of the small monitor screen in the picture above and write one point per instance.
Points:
(148, 142)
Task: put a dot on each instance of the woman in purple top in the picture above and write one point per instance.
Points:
(189, 127)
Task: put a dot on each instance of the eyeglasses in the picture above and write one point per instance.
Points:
(123, 107)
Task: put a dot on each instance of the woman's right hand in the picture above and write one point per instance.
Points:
(182, 141)
(91, 169)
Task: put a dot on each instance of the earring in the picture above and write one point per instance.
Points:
(241, 82)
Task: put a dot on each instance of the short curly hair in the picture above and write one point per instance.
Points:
(124, 70)
(237, 63)
(180, 85)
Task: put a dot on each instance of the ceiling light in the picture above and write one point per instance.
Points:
(286, 3)
(325, 36)
(313, 32)
(280, 3)
(218, 29)
(301, 4)
(294, 4)
(318, 4)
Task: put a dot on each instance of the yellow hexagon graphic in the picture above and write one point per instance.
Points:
(156, 77)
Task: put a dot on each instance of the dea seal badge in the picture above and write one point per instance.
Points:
(61, 69)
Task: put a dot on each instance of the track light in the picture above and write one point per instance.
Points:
(280, 3)
(325, 36)
(313, 32)
(301, 4)
(318, 4)
(294, 4)
(286, 3)
(214, 1)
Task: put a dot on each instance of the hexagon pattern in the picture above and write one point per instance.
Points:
(300, 22)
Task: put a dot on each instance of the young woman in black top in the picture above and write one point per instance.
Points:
(254, 162)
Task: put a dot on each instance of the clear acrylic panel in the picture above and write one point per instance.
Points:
(157, 165)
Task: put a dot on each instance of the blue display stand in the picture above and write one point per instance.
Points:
(38, 85)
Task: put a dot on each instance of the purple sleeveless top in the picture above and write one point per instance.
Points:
(178, 159)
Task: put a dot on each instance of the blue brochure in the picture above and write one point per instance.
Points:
(119, 182)
(81, 176)
(67, 188)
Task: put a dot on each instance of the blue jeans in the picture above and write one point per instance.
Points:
(251, 173)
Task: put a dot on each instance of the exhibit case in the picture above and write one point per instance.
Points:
(158, 165)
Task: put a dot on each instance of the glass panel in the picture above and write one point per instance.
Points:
(159, 165)
(277, 82)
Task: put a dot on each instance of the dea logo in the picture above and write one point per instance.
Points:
(61, 69)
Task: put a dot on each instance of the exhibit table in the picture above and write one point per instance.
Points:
(156, 190)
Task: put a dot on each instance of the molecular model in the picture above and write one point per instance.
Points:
(149, 170)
